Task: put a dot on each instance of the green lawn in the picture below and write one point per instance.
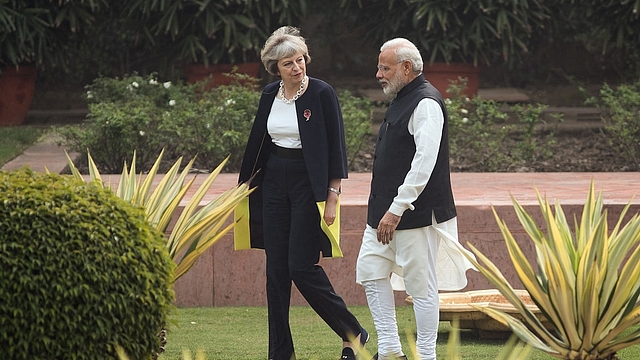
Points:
(15, 139)
(240, 333)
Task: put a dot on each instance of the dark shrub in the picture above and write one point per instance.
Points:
(81, 271)
(620, 113)
(357, 113)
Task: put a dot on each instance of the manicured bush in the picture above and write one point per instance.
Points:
(81, 273)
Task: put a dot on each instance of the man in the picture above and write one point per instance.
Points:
(411, 223)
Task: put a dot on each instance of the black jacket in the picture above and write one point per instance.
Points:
(323, 145)
(394, 153)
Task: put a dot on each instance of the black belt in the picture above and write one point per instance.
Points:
(287, 153)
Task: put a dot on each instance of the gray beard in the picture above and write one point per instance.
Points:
(394, 86)
(390, 91)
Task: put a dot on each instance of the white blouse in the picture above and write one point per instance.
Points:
(282, 125)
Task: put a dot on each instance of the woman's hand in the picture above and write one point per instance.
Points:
(330, 208)
(332, 201)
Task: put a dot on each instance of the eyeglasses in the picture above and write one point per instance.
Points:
(385, 68)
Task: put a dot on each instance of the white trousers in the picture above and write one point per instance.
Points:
(381, 304)
(426, 259)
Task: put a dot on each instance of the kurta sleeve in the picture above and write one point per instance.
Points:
(425, 125)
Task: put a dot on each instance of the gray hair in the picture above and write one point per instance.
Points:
(285, 41)
(405, 50)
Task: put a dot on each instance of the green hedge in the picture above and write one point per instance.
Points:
(81, 273)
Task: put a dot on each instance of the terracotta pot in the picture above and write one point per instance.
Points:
(199, 72)
(441, 75)
(16, 93)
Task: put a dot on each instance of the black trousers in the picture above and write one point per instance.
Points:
(292, 237)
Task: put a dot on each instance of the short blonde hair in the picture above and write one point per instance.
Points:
(285, 41)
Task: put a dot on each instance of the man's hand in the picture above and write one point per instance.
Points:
(386, 227)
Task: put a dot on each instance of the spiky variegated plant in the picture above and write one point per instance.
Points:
(197, 228)
(587, 283)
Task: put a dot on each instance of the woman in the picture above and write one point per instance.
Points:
(297, 158)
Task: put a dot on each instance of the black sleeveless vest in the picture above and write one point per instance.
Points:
(394, 152)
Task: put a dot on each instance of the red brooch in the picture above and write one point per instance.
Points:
(307, 114)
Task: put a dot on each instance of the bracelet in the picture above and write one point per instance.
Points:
(335, 191)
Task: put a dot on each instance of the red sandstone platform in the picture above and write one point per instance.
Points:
(224, 277)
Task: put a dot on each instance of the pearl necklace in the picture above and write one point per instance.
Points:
(298, 93)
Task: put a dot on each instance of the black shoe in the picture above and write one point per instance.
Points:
(347, 354)
(403, 357)
(364, 337)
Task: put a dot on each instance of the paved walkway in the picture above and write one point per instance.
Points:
(44, 155)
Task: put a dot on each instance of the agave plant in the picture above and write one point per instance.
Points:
(197, 228)
(586, 284)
